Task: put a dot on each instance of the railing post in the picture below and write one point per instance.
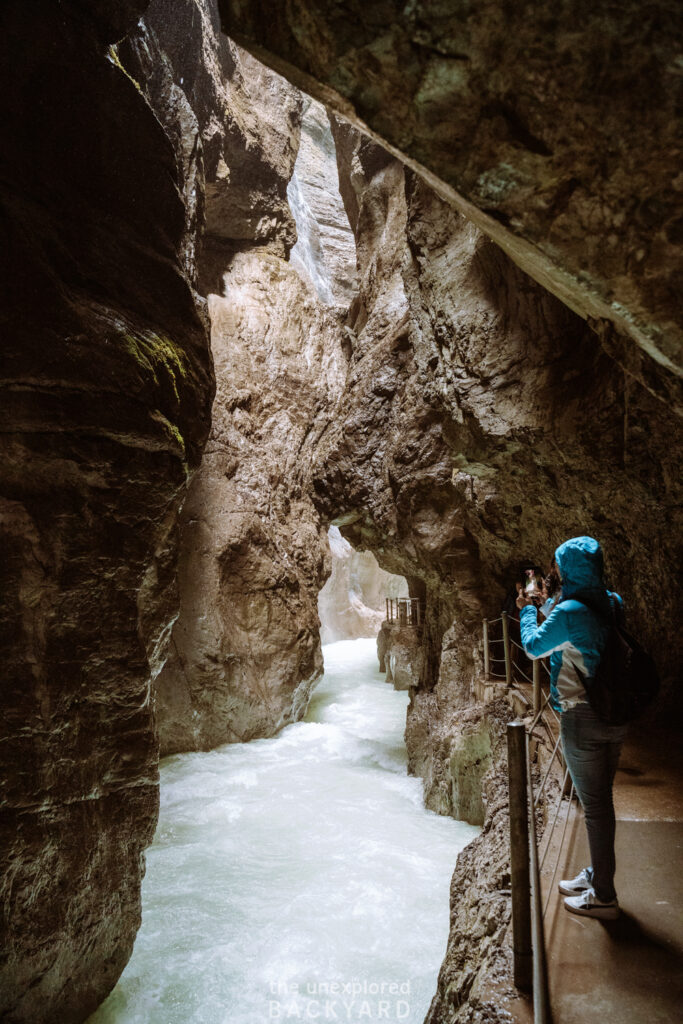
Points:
(536, 678)
(506, 649)
(386, 608)
(487, 665)
(542, 1011)
(519, 855)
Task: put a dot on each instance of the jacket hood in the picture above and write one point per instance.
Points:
(581, 565)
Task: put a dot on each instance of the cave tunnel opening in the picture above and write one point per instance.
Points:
(352, 603)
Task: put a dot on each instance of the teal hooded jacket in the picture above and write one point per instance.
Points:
(573, 634)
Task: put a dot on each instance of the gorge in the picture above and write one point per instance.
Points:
(421, 291)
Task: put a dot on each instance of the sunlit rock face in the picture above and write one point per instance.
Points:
(325, 250)
(353, 601)
(557, 131)
(107, 388)
(234, 125)
(246, 651)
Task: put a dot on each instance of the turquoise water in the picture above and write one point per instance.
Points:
(296, 878)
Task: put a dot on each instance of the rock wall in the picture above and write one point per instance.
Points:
(481, 424)
(400, 654)
(352, 602)
(458, 420)
(107, 386)
(555, 130)
(325, 250)
(475, 980)
(245, 651)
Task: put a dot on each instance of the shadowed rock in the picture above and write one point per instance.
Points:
(557, 132)
(107, 388)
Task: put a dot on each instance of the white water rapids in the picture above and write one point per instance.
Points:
(296, 878)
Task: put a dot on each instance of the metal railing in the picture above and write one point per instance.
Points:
(406, 611)
(509, 646)
(528, 910)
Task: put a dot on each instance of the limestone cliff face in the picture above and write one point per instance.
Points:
(457, 420)
(246, 650)
(475, 980)
(325, 251)
(352, 602)
(556, 131)
(107, 385)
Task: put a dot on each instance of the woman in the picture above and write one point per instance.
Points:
(574, 635)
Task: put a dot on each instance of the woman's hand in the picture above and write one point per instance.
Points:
(522, 600)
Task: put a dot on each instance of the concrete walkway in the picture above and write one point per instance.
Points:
(628, 971)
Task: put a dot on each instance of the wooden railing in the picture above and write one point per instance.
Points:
(404, 611)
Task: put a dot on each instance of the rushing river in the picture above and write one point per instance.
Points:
(296, 878)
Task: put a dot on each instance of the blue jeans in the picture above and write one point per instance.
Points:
(591, 750)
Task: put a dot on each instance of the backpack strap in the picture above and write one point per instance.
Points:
(609, 619)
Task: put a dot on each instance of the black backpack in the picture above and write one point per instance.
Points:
(626, 680)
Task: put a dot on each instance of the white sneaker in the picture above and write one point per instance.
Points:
(588, 904)
(572, 887)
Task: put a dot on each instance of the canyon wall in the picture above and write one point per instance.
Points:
(245, 651)
(481, 424)
(556, 130)
(352, 602)
(107, 386)
(434, 402)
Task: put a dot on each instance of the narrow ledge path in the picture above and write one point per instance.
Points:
(628, 971)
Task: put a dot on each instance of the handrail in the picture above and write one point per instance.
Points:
(407, 611)
(557, 811)
(547, 774)
(529, 892)
(540, 965)
(561, 844)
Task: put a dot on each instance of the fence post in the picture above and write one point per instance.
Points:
(542, 1011)
(519, 855)
(487, 665)
(536, 678)
(506, 649)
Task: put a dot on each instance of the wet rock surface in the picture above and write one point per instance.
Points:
(475, 979)
(234, 124)
(325, 249)
(401, 651)
(107, 386)
(558, 130)
(246, 651)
